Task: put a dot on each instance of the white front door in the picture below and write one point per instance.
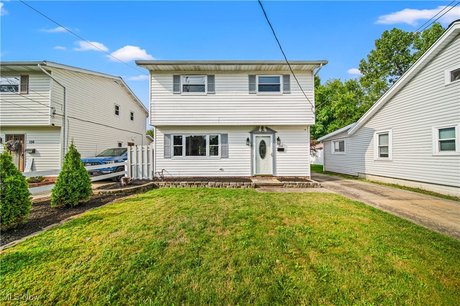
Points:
(263, 155)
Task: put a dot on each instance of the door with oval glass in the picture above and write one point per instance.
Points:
(263, 155)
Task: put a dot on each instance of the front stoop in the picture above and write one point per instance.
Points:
(262, 181)
(272, 181)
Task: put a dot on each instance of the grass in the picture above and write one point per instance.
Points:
(319, 169)
(228, 246)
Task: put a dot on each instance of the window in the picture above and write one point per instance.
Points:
(24, 87)
(445, 140)
(268, 83)
(9, 84)
(117, 110)
(338, 146)
(178, 146)
(196, 145)
(455, 75)
(131, 116)
(383, 145)
(194, 83)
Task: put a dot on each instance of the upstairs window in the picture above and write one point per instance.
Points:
(455, 75)
(268, 83)
(9, 84)
(131, 116)
(117, 110)
(194, 83)
(338, 146)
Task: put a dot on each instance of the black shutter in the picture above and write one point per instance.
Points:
(286, 84)
(176, 84)
(252, 84)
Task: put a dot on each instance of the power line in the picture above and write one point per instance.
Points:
(284, 55)
(34, 110)
(447, 11)
(440, 11)
(79, 36)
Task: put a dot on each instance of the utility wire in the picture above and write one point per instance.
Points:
(440, 11)
(79, 36)
(284, 54)
(447, 11)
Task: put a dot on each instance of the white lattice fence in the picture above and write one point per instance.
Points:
(140, 162)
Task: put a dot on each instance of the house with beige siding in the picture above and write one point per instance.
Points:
(411, 135)
(232, 118)
(45, 105)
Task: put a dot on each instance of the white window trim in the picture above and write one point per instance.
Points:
(447, 75)
(194, 93)
(344, 146)
(435, 136)
(390, 145)
(269, 92)
(183, 156)
(19, 85)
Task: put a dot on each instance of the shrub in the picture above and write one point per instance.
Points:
(73, 184)
(15, 200)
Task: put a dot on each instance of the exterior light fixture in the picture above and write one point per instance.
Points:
(248, 142)
(278, 141)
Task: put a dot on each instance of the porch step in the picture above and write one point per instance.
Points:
(266, 182)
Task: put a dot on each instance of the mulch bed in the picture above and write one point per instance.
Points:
(46, 181)
(43, 215)
(224, 179)
(292, 179)
(118, 185)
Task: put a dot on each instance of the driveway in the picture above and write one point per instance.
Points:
(438, 214)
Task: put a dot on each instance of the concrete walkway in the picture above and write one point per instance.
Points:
(434, 213)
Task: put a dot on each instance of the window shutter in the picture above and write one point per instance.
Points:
(167, 146)
(286, 83)
(252, 84)
(176, 84)
(211, 84)
(24, 84)
(224, 145)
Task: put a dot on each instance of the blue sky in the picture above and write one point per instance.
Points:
(341, 32)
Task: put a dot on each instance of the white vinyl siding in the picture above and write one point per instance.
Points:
(30, 109)
(232, 104)
(423, 103)
(294, 161)
(45, 141)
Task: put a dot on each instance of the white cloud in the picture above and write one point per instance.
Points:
(62, 48)
(3, 10)
(354, 71)
(91, 46)
(414, 16)
(140, 77)
(55, 30)
(129, 53)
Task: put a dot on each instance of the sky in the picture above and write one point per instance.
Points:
(342, 32)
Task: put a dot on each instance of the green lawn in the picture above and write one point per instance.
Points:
(228, 246)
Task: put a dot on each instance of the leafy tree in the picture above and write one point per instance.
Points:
(151, 133)
(424, 40)
(15, 202)
(73, 184)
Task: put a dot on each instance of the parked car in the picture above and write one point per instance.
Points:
(108, 156)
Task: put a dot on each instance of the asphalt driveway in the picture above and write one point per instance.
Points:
(438, 214)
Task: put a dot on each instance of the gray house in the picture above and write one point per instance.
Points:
(411, 135)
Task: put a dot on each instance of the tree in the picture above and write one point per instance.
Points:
(73, 184)
(151, 133)
(424, 40)
(15, 203)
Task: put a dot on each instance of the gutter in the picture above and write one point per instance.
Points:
(64, 118)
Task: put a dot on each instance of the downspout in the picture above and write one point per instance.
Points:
(64, 117)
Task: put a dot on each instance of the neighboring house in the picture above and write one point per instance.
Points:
(411, 135)
(231, 118)
(44, 106)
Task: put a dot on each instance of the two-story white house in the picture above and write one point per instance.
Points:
(45, 105)
(232, 118)
(411, 135)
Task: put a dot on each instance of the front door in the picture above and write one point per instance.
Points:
(263, 155)
(17, 146)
